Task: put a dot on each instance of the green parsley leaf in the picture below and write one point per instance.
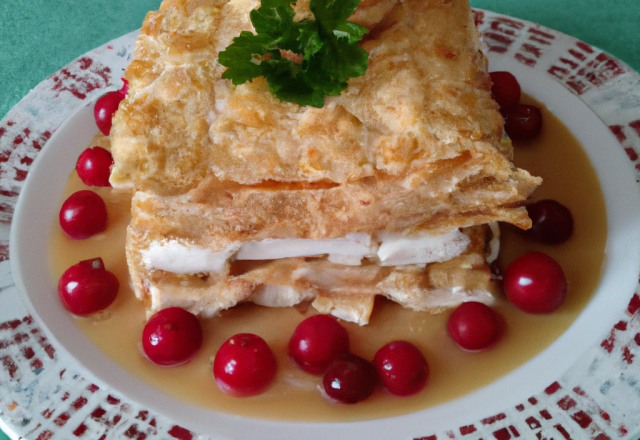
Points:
(328, 46)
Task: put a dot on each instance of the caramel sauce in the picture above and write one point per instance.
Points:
(294, 396)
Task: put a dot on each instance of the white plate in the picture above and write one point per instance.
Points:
(580, 100)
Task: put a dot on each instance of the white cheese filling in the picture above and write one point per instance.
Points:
(354, 245)
(175, 257)
(388, 249)
(397, 249)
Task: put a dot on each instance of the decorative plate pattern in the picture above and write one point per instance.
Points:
(42, 396)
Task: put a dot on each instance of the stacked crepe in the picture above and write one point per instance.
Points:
(389, 189)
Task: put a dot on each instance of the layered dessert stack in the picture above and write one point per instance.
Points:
(392, 188)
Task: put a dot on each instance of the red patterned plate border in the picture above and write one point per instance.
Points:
(42, 396)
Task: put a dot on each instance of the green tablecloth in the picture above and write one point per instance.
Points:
(38, 37)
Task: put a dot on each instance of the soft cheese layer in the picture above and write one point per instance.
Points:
(175, 257)
(388, 249)
(398, 249)
(350, 249)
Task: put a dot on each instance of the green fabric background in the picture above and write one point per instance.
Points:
(38, 37)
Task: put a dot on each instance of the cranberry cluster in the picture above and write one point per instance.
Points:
(521, 121)
(245, 364)
(320, 345)
(534, 282)
(88, 287)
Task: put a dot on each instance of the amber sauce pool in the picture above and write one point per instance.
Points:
(568, 177)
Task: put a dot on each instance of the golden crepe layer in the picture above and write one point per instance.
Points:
(415, 144)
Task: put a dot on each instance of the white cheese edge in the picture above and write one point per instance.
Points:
(388, 248)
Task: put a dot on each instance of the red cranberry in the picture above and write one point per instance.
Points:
(474, 326)
(552, 222)
(244, 365)
(83, 215)
(87, 287)
(106, 107)
(402, 368)
(535, 283)
(94, 166)
(172, 337)
(315, 341)
(523, 122)
(505, 90)
(349, 378)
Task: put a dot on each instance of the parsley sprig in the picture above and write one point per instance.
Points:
(328, 46)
